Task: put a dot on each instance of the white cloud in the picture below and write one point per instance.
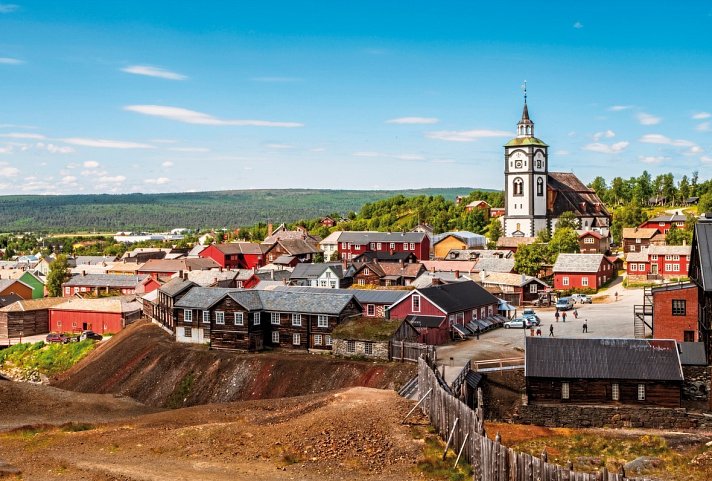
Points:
(158, 181)
(8, 7)
(68, 179)
(413, 120)
(91, 164)
(704, 127)
(651, 159)
(192, 117)
(54, 149)
(10, 61)
(167, 163)
(466, 135)
(702, 115)
(9, 171)
(106, 144)
(149, 71)
(618, 108)
(23, 135)
(578, 25)
(603, 135)
(706, 159)
(648, 119)
(663, 140)
(116, 179)
(607, 149)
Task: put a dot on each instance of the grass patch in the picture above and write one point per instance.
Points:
(181, 392)
(77, 427)
(431, 463)
(42, 358)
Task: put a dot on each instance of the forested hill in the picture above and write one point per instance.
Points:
(108, 213)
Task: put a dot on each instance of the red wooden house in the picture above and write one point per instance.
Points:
(582, 271)
(443, 306)
(659, 262)
(353, 244)
(592, 242)
(664, 222)
(105, 315)
(236, 255)
(675, 308)
(167, 268)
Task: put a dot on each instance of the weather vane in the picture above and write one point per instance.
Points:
(524, 87)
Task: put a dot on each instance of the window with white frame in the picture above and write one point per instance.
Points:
(653, 257)
(392, 246)
(368, 348)
(565, 394)
(322, 283)
(322, 321)
(676, 267)
(584, 281)
(362, 282)
(588, 240)
(275, 318)
(296, 319)
(378, 246)
(366, 271)
(239, 319)
(187, 315)
(67, 290)
(220, 318)
(637, 240)
(490, 310)
(327, 340)
(256, 319)
(565, 281)
(412, 246)
(206, 317)
(634, 267)
(668, 257)
(317, 339)
(187, 332)
(373, 245)
(641, 267)
(533, 288)
(350, 346)
(296, 339)
(668, 267)
(641, 392)
(275, 337)
(675, 257)
(370, 310)
(474, 314)
(615, 392)
(631, 248)
(415, 303)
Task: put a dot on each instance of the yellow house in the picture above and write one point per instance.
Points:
(444, 243)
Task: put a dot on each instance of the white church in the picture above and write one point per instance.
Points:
(535, 198)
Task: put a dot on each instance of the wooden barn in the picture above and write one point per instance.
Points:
(371, 337)
(641, 372)
(106, 315)
(26, 317)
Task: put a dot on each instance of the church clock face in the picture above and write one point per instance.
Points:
(518, 164)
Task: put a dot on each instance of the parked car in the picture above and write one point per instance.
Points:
(564, 303)
(518, 323)
(582, 298)
(90, 335)
(57, 337)
(531, 315)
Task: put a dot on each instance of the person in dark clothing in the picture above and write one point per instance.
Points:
(585, 325)
(563, 316)
(551, 330)
(557, 315)
(477, 332)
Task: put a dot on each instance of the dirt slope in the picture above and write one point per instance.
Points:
(350, 434)
(143, 362)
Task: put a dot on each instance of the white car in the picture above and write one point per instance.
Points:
(518, 323)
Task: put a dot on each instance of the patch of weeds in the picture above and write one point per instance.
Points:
(181, 392)
(77, 427)
(431, 463)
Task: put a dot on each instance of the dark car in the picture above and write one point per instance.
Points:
(56, 337)
(90, 335)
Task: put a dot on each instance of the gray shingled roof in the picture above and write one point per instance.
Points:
(175, 286)
(578, 262)
(313, 271)
(494, 264)
(363, 238)
(202, 297)
(635, 359)
(105, 280)
(364, 296)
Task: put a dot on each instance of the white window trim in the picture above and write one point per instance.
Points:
(641, 392)
(220, 318)
(633, 266)
(413, 303)
(239, 319)
(275, 317)
(187, 315)
(297, 320)
(327, 340)
(565, 390)
(317, 339)
(322, 321)
(275, 335)
(370, 310)
(565, 280)
(615, 392)
(296, 339)
(256, 319)
(206, 317)
(584, 281)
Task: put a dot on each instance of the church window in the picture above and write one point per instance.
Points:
(518, 186)
(538, 164)
(540, 186)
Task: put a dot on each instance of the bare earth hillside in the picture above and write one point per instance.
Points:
(144, 363)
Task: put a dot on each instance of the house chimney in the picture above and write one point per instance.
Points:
(84, 273)
(270, 228)
(402, 264)
(271, 274)
(483, 275)
(457, 274)
(524, 279)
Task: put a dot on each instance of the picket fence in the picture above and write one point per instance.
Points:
(410, 351)
(463, 430)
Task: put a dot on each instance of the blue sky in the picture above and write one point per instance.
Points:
(174, 96)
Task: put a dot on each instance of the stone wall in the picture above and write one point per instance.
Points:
(380, 349)
(697, 384)
(610, 417)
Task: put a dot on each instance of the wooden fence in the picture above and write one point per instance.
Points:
(410, 351)
(463, 429)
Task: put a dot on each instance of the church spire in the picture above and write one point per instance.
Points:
(525, 127)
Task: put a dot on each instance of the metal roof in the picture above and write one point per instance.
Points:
(314, 271)
(578, 263)
(424, 321)
(105, 280)
(692, 354)
(364, 296)
(702, 241)
(635, 359)
(367, 237)
(460, 296)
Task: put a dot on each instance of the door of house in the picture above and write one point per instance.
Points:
(654, 269)
(85, 326)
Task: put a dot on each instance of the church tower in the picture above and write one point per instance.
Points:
(526, 169)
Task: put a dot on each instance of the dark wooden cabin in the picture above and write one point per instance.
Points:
(641, 372)
(701, 274)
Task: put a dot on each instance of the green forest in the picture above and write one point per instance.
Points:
(200, 210)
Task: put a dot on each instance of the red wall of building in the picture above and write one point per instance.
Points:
(683, 267)
(667, 326)
(403, 308)
(661, 226)
(421, 249)
(212, 252)
(99, 322)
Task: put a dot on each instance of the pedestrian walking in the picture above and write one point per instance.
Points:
(563, 316)
(538, 331)
(616, 295)
(551, 330)
(575, 313)
(557, 315)
(585, 325)
(477, 332)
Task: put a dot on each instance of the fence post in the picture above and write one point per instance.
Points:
(402, 350)
(461, 448)
(449, 438)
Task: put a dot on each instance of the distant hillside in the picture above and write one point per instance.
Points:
(67, 213)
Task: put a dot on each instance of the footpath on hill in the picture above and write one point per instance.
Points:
(144, 363)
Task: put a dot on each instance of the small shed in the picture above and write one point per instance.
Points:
(371, 337)
(27, 317)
